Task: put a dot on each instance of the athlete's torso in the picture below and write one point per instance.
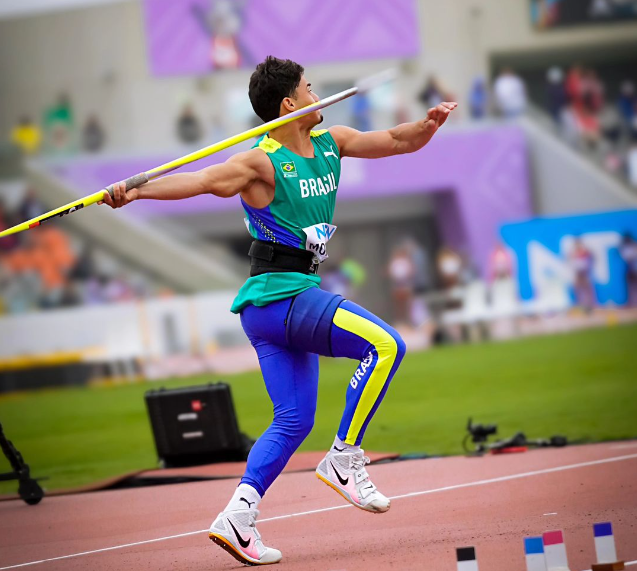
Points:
(300, 214)
(304, 196)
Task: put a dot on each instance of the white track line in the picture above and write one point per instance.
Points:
(623, 446)
(345, 506)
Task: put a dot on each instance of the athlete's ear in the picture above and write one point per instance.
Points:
(288, 104)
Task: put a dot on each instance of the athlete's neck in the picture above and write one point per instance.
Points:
(295, 138)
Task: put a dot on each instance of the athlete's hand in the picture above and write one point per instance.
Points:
(120, 196)
(436, 116)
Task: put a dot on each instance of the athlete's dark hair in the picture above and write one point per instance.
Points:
(272, 81)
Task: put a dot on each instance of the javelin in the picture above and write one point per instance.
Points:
(142, 178)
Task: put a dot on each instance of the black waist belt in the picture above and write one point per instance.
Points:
(270, 257)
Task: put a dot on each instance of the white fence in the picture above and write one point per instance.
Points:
(145, 330)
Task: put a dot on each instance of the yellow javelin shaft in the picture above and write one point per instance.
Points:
(249, 134)
(58, 212)
(139, 179)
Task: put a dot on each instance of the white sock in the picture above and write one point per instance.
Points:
(244, 497)
(340, 446)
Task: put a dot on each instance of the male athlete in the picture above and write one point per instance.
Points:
(288, 183)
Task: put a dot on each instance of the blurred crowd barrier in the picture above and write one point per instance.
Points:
(156, 338)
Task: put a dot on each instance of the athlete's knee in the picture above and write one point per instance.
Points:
(401, 346)
(392, 346)
(296, 424)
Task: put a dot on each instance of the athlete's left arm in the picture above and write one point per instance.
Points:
(405, 138)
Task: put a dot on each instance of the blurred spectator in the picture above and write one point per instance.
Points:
(58, 124)
(631, 163)
(510, 93)
(449, 265)
(570, 129)
(592, 91)
(188, 126)
(585, 94)
(610, 124)
(118, 289)
(93, 289)
(588, 107)
(8, 243)
(345, 278)
(627, 103)
(71, 295)
(469, 271)
(555, 93)
(500, 265)
(26, 135)
(420, 259)
(93, 135)
(433, 93)
(478, 99)
(42, 271)
(580, 260)
(402, 274)
(419, 312)
(84, 267)
(334, 281)
(30, 207)
(628, 252)
(361, 110)
(573, 85)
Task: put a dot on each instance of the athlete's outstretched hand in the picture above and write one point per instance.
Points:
(436, 116)
(121, 197)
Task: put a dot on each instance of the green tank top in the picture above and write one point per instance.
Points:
(300, 215)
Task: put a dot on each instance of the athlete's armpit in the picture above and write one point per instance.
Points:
(238, 174)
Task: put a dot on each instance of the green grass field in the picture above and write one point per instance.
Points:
(583, 385)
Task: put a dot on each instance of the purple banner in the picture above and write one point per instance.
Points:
(479, 179)
(199, 36)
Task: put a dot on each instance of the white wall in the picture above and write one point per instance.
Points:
(146, 329)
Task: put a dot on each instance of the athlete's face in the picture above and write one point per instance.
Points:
(305, 96)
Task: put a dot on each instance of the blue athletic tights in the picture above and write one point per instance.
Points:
(288, 336)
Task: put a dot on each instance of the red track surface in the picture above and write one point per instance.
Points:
(420, 532)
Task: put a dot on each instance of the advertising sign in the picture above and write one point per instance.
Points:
(547, 252)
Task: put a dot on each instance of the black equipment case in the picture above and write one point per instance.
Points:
(195, 425)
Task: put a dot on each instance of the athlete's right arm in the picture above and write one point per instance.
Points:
(227, 179)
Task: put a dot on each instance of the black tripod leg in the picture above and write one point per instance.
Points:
(28, 488)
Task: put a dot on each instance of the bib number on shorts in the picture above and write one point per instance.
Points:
(317, 238)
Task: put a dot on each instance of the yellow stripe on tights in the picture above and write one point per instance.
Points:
(387, 350)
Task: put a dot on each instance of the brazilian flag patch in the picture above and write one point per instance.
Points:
(289, 169)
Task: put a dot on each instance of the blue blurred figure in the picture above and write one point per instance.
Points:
(627, 102)
(361, 109)
(478, 99)
(556, 93)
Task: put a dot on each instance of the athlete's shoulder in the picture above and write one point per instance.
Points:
(324, 141)
(341, 134)
(255, 160)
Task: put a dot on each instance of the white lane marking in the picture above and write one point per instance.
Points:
(345, 506)
(551, 513)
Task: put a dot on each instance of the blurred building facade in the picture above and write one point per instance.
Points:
(81, 86)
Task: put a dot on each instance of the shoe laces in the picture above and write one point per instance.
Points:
(252, 522)
(359, 460)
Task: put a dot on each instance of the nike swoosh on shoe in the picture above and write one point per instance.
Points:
(240, 539)
(343, 482)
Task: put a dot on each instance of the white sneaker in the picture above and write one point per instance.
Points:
(236, 532)
(345, 472)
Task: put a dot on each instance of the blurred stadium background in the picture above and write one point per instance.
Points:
(519, 219)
